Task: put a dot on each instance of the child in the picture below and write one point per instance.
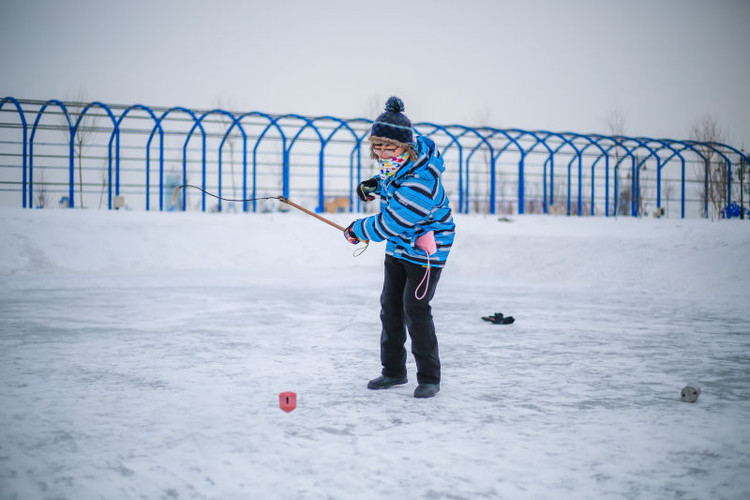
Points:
(413, 206)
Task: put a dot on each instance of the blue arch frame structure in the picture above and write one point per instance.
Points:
(596, 151)
(157, 125)
(71, 155)
(24, 141)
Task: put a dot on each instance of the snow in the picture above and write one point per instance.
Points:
(142, 355)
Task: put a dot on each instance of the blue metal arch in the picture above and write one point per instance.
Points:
(682, 175)
(521, 151)
(272, 123)
(166, 113)
(466, 173)
(343, 124)
(198, 123)
(591, 142)
(459, 146)
(482, 139)
(635, 174)
(287, 154)
(741, 153)
(617, 141)
(663, 163)
(39, 115)
(605, 153)
(157, 124)
(550, 160)
(686, 145)
(355, 180)
(706, 160)
(538, 141)
(564, 141)
(24, 133)
(235, 123)
(115, 132)
(579, 197)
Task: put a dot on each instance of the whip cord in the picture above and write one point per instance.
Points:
(239, 200)
(282, 199)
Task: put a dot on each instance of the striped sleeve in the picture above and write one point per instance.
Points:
(412, 203)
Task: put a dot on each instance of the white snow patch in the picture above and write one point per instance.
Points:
(142, 354)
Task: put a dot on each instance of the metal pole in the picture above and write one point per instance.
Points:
(742, 185)
(521, 201)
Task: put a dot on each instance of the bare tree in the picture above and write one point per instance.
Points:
(83, 134)
(714, 171)
(668, 193)
(40, 193)
(105, 181)
(744, 185)
(616, 123)
(641, 192)
(560, 193)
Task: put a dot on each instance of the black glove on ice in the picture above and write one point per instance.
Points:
(365, 188)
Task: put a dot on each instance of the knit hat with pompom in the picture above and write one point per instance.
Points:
(393, 126)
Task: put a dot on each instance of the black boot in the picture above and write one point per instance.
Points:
(384, 382)
(426, 390)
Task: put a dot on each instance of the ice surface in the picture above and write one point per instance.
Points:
(142, 354)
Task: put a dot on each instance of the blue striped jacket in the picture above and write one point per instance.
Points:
(412, 202)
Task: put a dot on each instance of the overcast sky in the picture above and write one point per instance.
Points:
(553, 64)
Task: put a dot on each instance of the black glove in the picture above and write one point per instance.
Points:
(349, 235)
(366, 187)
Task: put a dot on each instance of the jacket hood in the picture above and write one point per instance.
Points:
(427, 154)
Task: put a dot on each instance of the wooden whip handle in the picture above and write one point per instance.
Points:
(310, 212)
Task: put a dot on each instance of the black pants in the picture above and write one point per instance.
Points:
(401, 310)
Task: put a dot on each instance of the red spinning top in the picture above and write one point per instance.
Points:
(287, 401)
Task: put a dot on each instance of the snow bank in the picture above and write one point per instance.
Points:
(661, 255)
